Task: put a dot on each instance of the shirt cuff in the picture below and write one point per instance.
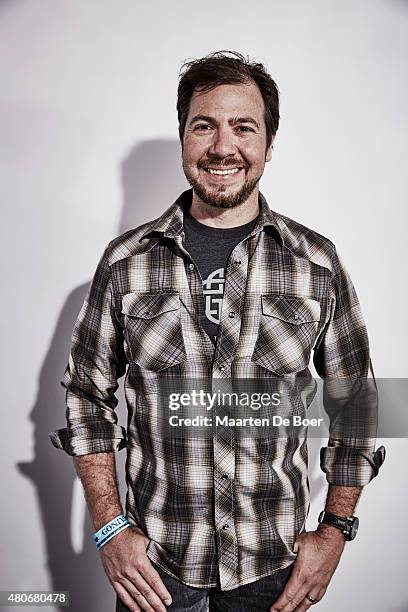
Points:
(84, 439)
(350, 467)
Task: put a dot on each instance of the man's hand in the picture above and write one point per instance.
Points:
(131, 573)
(319, 553)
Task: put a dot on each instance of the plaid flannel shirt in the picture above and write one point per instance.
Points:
(216, 510)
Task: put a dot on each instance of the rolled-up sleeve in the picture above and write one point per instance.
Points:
(342, 360)
(96, 362)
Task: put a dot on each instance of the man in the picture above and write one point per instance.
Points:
(218, 288)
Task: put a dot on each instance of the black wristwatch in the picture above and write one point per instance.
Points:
(348, 525)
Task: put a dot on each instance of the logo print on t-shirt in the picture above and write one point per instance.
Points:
(213, 289)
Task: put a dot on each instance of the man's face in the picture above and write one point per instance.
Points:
(224, 144)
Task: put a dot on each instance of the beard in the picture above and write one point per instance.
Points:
(217, 197)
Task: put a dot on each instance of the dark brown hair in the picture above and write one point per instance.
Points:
(226, 67)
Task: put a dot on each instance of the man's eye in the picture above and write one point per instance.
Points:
(245, 128)
(203, 127)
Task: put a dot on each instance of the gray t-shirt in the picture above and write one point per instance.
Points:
(210, 249)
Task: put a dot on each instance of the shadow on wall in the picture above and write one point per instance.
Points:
(152, 178)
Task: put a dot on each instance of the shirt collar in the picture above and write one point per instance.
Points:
(170, 223)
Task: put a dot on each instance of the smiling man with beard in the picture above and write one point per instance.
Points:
(218, 287)
(224, 169)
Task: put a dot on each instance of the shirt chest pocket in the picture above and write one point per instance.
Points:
(153, 329)
(287, 332)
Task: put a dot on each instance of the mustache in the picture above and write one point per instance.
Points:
(219, 164)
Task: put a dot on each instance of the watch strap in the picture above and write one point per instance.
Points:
(335, 521)
(347, 525)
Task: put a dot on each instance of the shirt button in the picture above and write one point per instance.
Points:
(147, 311)
(222, 368)
(238, 262)
(191, 266)
(225, 527)
(231, 314)
(296, 316)
(224, 477)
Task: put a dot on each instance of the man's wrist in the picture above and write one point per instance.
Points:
(330, 533)
(104, 516)
(110, 530)
(341, 500)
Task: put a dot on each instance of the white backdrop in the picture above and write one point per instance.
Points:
(89, 149)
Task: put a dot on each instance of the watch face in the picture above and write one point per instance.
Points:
(354, 528)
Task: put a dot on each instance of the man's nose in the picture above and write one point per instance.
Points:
(222, 143)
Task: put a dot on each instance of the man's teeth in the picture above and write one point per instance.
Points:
(231, 171)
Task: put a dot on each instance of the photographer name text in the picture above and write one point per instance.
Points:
(226, 421)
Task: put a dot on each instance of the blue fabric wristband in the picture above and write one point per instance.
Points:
(108, 531)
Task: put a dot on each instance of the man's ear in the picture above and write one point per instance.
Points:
(268, 154)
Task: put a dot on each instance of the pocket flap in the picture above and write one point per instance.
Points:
(294, 310)
(149, 305)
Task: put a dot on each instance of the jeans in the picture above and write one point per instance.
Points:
(257, 596)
